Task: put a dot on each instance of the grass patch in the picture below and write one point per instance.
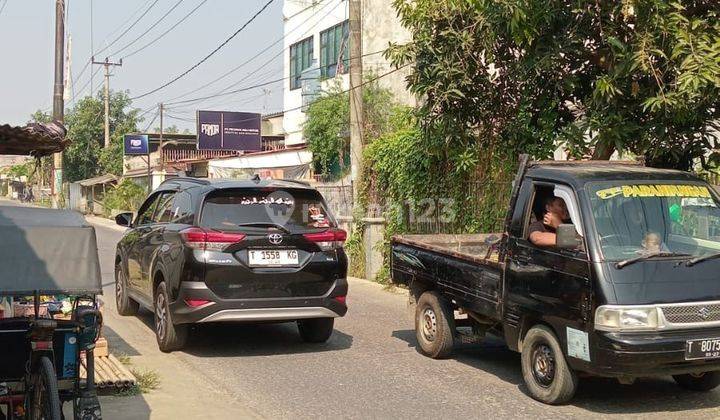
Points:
(147, 380)
(124, 359)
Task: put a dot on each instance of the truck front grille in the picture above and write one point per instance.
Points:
(687, 314)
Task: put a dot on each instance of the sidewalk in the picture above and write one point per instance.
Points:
(101, 221)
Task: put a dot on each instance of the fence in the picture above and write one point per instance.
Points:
(339, 198)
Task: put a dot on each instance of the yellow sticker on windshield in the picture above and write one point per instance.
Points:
(655, 190)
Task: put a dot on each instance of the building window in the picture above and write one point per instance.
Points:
(334, 47)
(301, 56)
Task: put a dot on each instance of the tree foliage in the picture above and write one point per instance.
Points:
(126, 195)
(515, 76)
(86, 156)
(327, 127)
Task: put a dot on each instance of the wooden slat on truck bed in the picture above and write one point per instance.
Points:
(469, 246)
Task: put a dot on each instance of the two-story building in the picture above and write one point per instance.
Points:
(317, 53)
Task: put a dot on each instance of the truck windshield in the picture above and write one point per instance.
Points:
(638, 218)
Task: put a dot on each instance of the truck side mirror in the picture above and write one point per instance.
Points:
(566, 237)
(124, 219)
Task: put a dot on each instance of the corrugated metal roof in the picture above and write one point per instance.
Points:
(102, 179)
(33, 140)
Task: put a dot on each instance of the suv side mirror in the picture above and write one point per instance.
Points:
(124, 219)
(566, 237)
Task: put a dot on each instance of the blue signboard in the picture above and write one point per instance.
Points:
(219, 130)
(136, 144)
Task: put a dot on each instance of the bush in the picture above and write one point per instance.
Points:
(126, 195)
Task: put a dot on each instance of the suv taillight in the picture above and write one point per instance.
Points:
(330, 239)
(209, 240)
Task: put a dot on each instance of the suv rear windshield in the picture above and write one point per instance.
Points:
(240, 209)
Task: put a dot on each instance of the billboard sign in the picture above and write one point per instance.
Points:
(220, 130)
(136, 144)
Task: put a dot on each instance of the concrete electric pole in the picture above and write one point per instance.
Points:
(58, 103)
(160, 147)
(107, 63)
(356, 100)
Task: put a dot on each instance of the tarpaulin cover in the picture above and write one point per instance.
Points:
(49, 251)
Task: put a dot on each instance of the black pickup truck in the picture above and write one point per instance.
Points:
(601, 301)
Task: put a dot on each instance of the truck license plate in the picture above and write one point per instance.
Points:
(272, 257)
(707, 348)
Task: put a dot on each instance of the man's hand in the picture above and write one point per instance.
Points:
(551, 219)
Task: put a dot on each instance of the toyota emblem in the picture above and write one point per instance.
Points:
(275, 238)
(703, 313)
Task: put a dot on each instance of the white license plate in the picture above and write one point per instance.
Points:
(272, 257)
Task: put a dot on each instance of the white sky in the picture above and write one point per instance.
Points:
(27, 42)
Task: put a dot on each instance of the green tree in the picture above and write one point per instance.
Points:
(509, 76)
(173, 129)
(86, 157)
(327, 127)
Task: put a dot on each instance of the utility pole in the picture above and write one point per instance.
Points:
(160, 147)
(58, 103)
(356, 101)
(107, 63)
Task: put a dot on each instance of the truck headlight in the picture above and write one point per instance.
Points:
(628, 318)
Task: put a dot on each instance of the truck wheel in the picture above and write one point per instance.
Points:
(316, 330)
(169, 336)
(705, 381)
(545, 370)
(125, 305)
(434, 326)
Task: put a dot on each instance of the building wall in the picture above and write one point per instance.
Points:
(299, 25)
(272, 126)
(381, 26)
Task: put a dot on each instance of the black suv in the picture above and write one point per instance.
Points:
(256, 250)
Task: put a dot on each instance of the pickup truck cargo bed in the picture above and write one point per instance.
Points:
(457, 264)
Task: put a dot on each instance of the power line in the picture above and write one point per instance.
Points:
(196, 65)
(166, 32)
(128, 28)
(157, 22)
(92, 44)
(261, 52)
(126, 21)
(151, 121)
(374, 79)
(230, 92)
(224, 93)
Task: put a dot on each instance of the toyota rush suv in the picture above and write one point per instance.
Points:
(202, 251)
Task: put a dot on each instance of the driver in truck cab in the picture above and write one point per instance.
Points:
(542, 232)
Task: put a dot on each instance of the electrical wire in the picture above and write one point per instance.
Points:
(128, 28)
(92, 52)
(374, 79)
(196, 65)
(164, 33)
(151, 121)
(157, 22)
(202, 98)
(264, 50)
(263, 65)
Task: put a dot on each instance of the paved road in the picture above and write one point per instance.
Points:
(369, 369)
